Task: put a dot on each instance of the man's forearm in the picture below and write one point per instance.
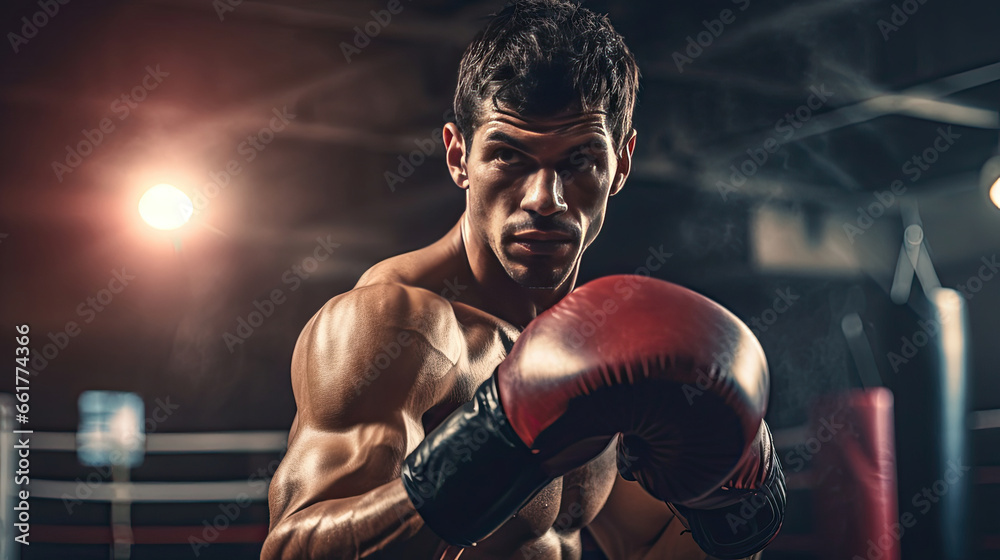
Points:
(349, 528)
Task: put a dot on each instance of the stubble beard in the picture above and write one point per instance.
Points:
(536, 276)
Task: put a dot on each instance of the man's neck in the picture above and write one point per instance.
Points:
(492, 290)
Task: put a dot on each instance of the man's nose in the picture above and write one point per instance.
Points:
(544, 193)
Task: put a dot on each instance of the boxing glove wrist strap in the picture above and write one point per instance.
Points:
(744, 528)
(472, 473)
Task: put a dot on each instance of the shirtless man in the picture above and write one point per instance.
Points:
(541, 140)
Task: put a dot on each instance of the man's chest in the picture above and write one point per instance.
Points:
(564, 506)
(548, 526)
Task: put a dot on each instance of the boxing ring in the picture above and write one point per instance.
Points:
(112, 486)
(813, 449)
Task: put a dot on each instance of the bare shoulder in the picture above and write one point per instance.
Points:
(378, 346)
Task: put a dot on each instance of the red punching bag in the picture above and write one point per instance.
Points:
(855, 475)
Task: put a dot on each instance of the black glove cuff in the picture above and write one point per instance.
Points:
(472, 473)
(744, 528)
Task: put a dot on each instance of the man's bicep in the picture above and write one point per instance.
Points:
(356, 377)
(368, 353)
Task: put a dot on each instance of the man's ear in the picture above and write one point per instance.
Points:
(455, 156)
(624, 165)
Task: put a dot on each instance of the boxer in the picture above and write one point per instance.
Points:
(465, 399)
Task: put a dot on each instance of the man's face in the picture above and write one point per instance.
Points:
(538, 189)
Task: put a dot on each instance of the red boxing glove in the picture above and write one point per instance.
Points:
(679, 376)
(682, 378)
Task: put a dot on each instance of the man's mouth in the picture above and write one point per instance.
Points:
(536, 242)
(538, 235)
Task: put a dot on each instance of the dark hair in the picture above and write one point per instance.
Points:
(539, 57)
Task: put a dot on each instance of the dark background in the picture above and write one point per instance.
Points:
(324, 176)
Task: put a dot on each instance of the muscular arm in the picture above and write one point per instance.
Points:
(358, 374)
(636, 526)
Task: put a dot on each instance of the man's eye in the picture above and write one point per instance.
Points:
(584, 160)
(506, 155)
(582, 164)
